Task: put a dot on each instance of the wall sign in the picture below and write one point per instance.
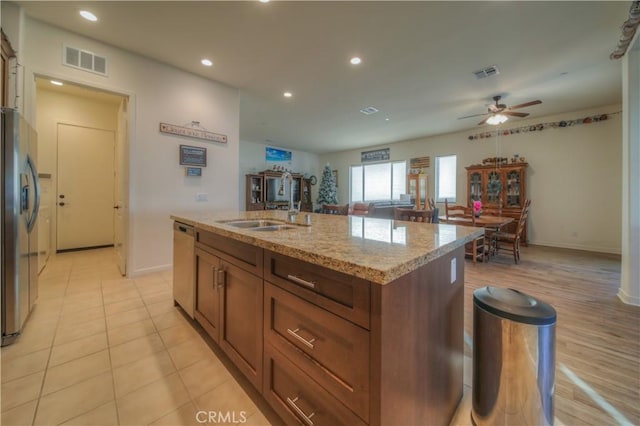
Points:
(377, 155)
(193, 156)
(194, 171)
(193, 131)
(419, 162)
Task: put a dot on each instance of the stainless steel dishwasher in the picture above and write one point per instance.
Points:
(184, 286)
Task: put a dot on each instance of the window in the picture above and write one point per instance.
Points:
(380, 181)
(446, 178)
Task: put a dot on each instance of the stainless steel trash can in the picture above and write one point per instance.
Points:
(513, 358)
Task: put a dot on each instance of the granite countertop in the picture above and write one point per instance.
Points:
(378, 250)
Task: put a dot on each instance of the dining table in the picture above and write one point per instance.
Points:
(489, 222)
(485, 221)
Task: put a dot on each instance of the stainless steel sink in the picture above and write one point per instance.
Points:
(266, 225)
(272, 228)
(251, 223)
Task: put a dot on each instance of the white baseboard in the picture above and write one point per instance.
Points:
(629, 300)
(609, 250)
(144, 271)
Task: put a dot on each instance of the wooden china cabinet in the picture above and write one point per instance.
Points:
(501, 188)
(261, 191)
(418, 188)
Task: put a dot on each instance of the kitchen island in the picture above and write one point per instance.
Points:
(351, 320)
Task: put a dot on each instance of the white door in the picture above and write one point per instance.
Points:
(120, 189)
(85, 198)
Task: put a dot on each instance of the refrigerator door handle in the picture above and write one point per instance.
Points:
(24, 193)
(36, 185)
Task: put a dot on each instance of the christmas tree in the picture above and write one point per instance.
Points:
(327, 193)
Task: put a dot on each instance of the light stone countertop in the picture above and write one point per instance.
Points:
(378, 250)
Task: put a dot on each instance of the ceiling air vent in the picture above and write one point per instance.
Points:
(486, 72)
(84, 60)
(369, 110)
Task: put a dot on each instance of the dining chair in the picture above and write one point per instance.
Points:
(476, 249)
(338, 209)
(453, 210)
(512, 239)
(412, 215)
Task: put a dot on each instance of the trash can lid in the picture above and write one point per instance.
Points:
(514, 305)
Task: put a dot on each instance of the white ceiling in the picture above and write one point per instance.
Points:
(418, 59)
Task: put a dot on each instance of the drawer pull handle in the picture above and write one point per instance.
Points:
(295, 334)
(307, 419)
(300, 281)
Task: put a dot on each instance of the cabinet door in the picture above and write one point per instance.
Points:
(208, 292)
(475, 186)
(514, 188)
(241, 327)
(494, 188)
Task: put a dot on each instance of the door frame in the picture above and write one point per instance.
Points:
(128, 139)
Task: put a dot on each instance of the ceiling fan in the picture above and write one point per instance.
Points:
(497, 114)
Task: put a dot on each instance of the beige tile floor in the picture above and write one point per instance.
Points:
(99, 349)
(102, 350)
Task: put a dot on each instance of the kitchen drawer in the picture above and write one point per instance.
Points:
(243, 255)
(297, 398)
(344, 295)
(330, 349)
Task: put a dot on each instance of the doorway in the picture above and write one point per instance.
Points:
(83, 140)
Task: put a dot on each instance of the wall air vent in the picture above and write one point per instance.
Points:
(84, 60)
(486, 72)
(369, 110)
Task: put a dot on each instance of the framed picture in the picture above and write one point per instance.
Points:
(335, 177)
(193, 156)
(194, 171)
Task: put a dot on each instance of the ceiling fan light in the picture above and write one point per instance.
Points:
(497, 119)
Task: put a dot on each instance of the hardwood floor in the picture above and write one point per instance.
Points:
(597, 336)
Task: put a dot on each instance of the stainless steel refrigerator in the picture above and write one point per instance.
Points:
(20, 203)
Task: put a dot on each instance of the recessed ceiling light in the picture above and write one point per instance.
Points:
(88, 16)
(355, 60)
(56, 82)
(264, 1)
(387, 119)
(206, 62)
(287, 94)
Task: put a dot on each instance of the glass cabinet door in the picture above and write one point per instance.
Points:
(494, 186)
(417, 189)
(475, 186)
(513, 195)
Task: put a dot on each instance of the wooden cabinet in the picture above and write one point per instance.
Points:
(254, 192)
(500, 188)
(263, 191)
(230, 298)
(328, 348)
(418, 188)
(208, 293)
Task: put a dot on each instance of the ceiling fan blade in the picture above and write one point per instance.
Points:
(474, 115)
(526, 104)
(483, 121)
(515, 114)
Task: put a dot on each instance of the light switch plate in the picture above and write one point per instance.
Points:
(453, 270)
(202, 196)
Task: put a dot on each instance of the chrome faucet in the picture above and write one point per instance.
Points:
(293, 210)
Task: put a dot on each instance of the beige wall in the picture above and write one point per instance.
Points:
(574, 175)
(157, 93)
(53, 108)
